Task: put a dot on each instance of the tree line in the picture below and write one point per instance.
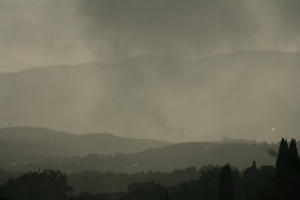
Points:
(214, 183)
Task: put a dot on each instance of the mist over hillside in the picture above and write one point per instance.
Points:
(243, 95)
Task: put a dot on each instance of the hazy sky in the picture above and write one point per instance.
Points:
(47, 32)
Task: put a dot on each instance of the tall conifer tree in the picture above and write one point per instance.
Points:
(226, 186)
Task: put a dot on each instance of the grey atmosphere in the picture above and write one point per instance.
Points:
(175, 70)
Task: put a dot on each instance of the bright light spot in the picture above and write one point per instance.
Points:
(135, 164)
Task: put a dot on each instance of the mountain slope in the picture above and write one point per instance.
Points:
(166, 158)
(179, 156)
(29, 142)
(239, 94)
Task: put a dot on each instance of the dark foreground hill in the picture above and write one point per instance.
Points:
(166, 158)
(198, 154)
(29, 142)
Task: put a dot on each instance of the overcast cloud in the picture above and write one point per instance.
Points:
(49, 32)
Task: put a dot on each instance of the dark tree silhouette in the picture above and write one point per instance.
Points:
(250, 182)
(281, 162)
(282, 153)
(207, 183)
(226, 186)
(293, 153)
(46, 185)
(147, 191)
(167, 194)
(254, 165)
(287, 173)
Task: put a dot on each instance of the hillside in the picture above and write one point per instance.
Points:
(198, 154)
(166, 158)
(238, 95)
(29, 142)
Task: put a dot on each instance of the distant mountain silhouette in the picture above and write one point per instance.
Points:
(238, 95)
(42, 142)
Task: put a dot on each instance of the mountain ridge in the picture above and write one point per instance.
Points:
(43, 142)
(228, 94)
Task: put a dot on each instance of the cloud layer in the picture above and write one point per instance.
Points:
(37, 33)
(192, 27)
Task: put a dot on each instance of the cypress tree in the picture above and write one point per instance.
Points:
(167, 194)
(282, 159)
(287, 171)
(226, 187)
(294, 168)
(293, 153)
(254, 165)
(281, 172)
